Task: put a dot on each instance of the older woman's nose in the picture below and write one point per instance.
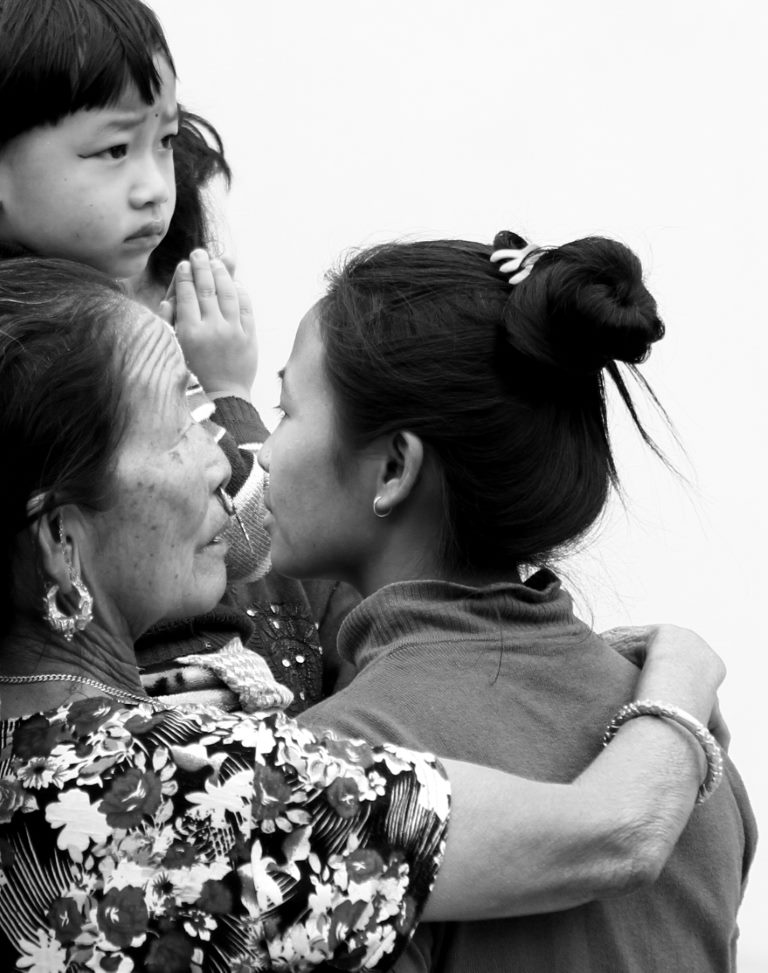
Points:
(216, 463)
(224, 468)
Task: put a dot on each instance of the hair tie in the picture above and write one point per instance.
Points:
(519, 263)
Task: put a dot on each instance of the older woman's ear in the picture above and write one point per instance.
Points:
(57, 551)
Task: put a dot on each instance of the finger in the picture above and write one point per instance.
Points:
(229, 262)
(170, 293)
(631, 641)
(245, 311)
(719, 728)
(205, 285)
(226, 292)
(187, 304)
(167, 310)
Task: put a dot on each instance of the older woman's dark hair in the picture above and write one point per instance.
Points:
(61, 405)
(504, 385)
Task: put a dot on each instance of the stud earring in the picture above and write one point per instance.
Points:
(381, 516)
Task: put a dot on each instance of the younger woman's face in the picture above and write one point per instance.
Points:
(320, 492)
(157, 551)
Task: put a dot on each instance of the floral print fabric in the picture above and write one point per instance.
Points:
(137, 839)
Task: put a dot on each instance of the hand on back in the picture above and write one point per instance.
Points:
(686, 656)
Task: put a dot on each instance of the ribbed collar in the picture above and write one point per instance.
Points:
(425, 611)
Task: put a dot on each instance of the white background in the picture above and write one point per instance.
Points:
(351, 121)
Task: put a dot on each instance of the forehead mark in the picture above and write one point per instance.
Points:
(129, 110)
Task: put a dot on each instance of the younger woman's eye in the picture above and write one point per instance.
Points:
(280, 412)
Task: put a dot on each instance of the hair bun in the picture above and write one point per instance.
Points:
(590, 302)
(508, 240)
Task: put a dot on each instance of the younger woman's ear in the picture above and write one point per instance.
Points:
(401, 471)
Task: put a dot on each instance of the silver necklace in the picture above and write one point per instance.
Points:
(122, 694)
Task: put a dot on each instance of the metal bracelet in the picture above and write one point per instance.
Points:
(710, 746)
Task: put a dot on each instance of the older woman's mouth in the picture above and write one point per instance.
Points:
(217, 538)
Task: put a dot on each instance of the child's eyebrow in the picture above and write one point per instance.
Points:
(170, 117)
(128, 120)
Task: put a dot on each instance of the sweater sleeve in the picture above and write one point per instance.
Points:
(243, 434)
(242, 421)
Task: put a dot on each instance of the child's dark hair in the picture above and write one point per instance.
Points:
(62, 402)
(60, 56)
(505, 385)
(198, 156)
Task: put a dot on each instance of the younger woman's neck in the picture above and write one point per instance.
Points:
(471, 577)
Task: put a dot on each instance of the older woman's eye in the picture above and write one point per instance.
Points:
(193, 383)
(198, 403)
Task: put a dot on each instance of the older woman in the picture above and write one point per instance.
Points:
(444, 434)
(134, 836)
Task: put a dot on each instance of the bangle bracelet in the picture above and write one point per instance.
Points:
(710, 746)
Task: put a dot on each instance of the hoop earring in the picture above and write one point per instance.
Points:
(59, 621)
(375, 509)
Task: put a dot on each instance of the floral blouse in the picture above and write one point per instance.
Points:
(175, 840)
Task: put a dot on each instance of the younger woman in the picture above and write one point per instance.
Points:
(444, 436)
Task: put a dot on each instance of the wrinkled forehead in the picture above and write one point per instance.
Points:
(152, 356)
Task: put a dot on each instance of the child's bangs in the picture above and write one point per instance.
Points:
(60, 56)
(100, 76)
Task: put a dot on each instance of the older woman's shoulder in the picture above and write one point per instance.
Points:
(128, 832)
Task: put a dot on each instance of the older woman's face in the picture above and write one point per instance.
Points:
(157, 552)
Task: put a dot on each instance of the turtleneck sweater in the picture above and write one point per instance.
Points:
(507, 676)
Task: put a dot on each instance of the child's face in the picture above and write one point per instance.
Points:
(97, 187)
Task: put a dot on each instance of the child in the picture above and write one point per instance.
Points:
(87, 138)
